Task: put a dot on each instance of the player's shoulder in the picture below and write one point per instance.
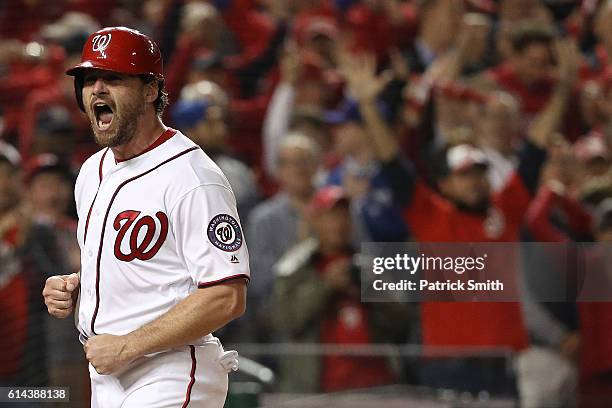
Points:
(196, 168)
(296, 257)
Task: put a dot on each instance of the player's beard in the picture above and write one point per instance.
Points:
(124, 125)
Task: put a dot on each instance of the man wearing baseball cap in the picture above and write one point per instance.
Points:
(465, 179)
(463, 209)
(317, 299)
(163, 258)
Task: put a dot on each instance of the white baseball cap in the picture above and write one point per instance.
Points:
(10, 153)
(465, 156)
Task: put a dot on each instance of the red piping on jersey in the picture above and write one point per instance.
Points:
(164, 137)
(93, 320)
(96, 196)
(222, 280)
(102, 164)
(191, 376)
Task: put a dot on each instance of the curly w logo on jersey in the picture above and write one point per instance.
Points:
(139, 244)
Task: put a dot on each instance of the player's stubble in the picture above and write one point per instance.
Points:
(125, 122)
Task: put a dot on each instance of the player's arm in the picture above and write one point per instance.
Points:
(204, 311)
(199, 314)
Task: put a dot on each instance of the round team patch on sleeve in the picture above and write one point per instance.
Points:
(224, 233)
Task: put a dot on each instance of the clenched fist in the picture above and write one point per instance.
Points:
(58, 294)
(108, 354)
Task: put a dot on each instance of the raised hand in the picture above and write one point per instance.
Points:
(359, 71)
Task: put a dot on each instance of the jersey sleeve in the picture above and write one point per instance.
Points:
(209, 236)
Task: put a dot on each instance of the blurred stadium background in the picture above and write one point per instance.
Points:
(340, 122)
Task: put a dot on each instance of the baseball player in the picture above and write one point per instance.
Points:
(163, 259)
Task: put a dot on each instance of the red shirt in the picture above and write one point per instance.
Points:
(15, 87)
(346, 322)
(252, 29)
(23, 19)
(596, 317)
(362, 21)
(14, 316)
(41, 99)
(533, 98)
(322, 8)
(25, 77)
(596, 331)
(537, 219)
(247, 116)
(434, 219)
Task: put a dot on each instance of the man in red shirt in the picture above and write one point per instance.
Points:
(464, 209)
(529, 73)
(317, 299)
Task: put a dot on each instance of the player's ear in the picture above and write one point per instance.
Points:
(151, 91)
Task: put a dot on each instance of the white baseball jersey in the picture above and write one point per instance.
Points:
(152, 229)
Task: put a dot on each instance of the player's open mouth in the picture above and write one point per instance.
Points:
(104, 115)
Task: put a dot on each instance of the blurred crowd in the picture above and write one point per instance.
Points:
(338, 122)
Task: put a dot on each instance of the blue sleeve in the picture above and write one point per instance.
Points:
(400, 175)
(384, 223)
(222, 4)
(334, 178)
(531, 160)
(343, 5)
(381, 214)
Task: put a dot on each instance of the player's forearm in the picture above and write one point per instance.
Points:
(201, 313)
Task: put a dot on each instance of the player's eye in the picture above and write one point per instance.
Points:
(113, 78)
(89, 80)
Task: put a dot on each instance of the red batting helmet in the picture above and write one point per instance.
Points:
(118, 49)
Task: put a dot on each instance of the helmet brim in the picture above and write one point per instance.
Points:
(78, 69)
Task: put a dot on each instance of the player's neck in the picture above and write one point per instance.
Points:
(147, 132)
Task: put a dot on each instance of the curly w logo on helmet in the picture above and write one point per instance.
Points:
(100, 42)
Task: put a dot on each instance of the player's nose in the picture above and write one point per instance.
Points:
(99, 86)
